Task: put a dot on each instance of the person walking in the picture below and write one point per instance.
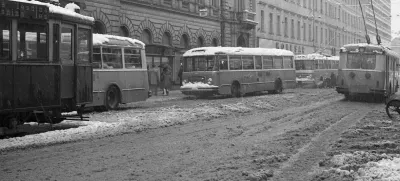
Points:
(154, 79)
(166, 79)
(180, 75)
(333, 80)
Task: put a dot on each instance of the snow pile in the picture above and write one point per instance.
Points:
(58, 10)
(362, 166)
(197, 85)
(72, 7)
(260, 104)
(84, 130)
(238, 107)
(101, 39)
(201, 51)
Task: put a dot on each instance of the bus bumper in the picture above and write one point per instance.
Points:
(200, 91)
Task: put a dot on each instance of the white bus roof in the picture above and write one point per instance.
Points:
(109, 40)
(315, 56)
(58, 9)
(203, 51)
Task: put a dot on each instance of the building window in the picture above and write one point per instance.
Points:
(292, 28)
(123, 31)
(146, 37)
(200, 42)
(185, 4)
(298, 30)
(309, 32)
(166, 39)
(286, 27)
(99, 28)
(278, 25)
(322, 35)
(214, 42)
(262, 21)
(316, 34)
(271, 23)
(184, 43)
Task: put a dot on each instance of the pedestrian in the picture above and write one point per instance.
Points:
(180, 75)
(166, 80)
(154, 79)
(333, 80)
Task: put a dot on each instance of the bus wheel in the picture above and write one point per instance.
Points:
(393, 108)
(112, 98)
(235, 89)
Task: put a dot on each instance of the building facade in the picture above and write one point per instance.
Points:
(170, 27)
(309, 26)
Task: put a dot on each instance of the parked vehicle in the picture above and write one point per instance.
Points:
(236, 71)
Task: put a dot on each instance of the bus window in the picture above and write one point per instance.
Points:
(200, 63)
(132, 58)
(267, 62)
(66, 45)
(5, 41)
(188, 64)
(287, 62)
(112, 58)
(361, 61)
(223, 62)
(32, 42)
(83, 45)
(96, 58)
(210, 63)
(278, 62)
(248, 62)
(235, 62)
(258, 62)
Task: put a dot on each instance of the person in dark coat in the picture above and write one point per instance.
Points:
(166, 79)
(180, 75)
(333, 80)
(154, 79)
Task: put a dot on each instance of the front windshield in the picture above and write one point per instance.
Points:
(305, 65)
(200, 63)
(361, 61)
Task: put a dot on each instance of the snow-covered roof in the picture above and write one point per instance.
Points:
(58, 10)
(370, 47)
(202, 51)
(313, 56)
(104, 39)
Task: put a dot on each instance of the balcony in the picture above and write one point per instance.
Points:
(247, 19)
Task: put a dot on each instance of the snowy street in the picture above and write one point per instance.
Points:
(302, 134)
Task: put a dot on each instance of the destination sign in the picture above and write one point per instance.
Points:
(23, 10)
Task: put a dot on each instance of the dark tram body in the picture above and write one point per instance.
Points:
(45, 62)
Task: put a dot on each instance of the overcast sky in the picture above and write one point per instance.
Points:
(395, 16)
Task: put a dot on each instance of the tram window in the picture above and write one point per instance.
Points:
(223, 62)
(96, 58)
(287, 62)
(32, 42)
(133, 60)
(112, 58)
(83, 45)
(258, 62)
(5, 41)
(235, 63)
(66, 45)
(278, 62)
(267, 62)
(248, 62)
(358, 61)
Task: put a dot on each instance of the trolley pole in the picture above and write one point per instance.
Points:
(222, 18)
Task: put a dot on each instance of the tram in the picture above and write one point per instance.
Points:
(367, 70)
(42, 74)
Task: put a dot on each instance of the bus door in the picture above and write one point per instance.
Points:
(83, 66)
(67, 61)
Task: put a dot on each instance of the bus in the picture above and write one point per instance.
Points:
(236, 71)
(41, 76)
(367, 70)
(313, 68)
(119, 71)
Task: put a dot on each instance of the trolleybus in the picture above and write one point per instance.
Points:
(312, 68)
(236, 71)
(367, 70)
(120, 73)
(41, 75)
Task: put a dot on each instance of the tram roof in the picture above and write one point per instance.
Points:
(57, 9)
(368, 48)
(113, 40)
(202, 51)
(313, 56)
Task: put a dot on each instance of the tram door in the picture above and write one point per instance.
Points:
(67, 61)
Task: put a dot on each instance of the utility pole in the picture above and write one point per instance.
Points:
(222, 17)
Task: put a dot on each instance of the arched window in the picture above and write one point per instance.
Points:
(123, 31)
(241, 41)
(166, 39)
(184, 43)
(146, 37)
(200, 42)
(99, 27)
(214, 42)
